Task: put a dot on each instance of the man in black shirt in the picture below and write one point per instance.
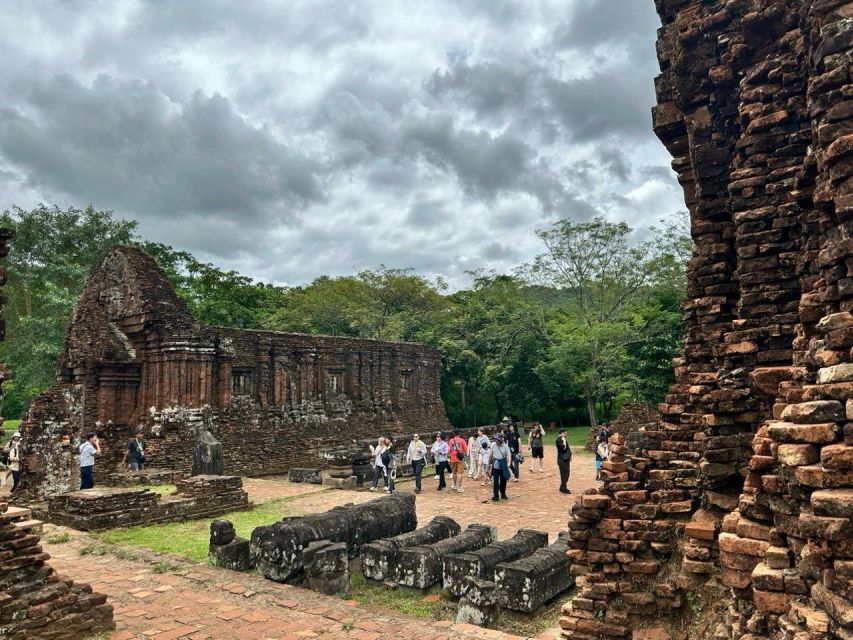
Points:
(564, 460)
(135, 454)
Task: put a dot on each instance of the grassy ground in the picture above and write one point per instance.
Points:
(575, 435)
(190, 539)
(412, 602)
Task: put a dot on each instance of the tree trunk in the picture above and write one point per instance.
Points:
(590, 406)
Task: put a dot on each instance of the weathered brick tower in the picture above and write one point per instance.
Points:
(135, 357)
(744, 488)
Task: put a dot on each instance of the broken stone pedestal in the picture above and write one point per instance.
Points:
(421, 567)
(309, 476)
(528, 583)
(481, 563)
(327, 567)
(226, 549)
(349, 482)
(479, 605)
(379, 559)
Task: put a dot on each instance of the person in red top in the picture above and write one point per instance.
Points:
(457, 448)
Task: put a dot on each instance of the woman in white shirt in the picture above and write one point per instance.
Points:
(378, 466)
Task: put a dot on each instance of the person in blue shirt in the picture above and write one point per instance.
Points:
(88, 450)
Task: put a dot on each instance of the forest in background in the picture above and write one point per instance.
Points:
(592, 321)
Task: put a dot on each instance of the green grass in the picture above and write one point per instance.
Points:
(58, 538)
(162, 489)
(9, 427)
(190, 539)
(410, 602)
(575, 435)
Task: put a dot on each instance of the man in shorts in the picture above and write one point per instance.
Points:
(536, 446)
(457, 448)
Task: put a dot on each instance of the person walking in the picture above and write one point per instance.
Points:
(513, 441)
(378, 466)
(457, 450)
(439, 455)
(472, 461)
(134, 455)
(88, 450)
(564, 460)
(416, 456)
(499, 455)
(14, 460)
(536, 446)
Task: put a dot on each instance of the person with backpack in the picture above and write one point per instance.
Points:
(12, 454)
(389, 462)
(378, 465)
(499, 456)
(564, 460)
(416, 456)
(439, 455)
(602, 453)
(457, 448)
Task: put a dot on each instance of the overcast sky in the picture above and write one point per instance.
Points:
(293, 139)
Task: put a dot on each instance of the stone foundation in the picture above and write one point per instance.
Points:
(276, 549)
(379, 559)
(481, 563)
(529, 582)
(110, 507)
(421, 567)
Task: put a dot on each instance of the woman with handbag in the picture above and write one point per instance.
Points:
(500, 457)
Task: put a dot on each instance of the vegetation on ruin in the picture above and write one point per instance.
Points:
(592, 321)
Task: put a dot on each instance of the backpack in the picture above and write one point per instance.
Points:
(386, 457)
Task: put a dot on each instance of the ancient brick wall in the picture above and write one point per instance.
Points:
(746, 482)
(133, 356)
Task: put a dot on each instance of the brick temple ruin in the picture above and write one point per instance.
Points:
(135, 357)
(742, 493)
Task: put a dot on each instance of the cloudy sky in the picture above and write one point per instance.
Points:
(292, 139)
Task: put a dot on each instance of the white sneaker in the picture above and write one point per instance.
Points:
(436, 477)
(387, 489)
(373, 488)
(461, 490)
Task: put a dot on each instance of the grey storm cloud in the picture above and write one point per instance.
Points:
(293, 139)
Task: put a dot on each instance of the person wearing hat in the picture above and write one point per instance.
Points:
(13, 456)
(564, 460)
(499, 456)
(134, 455)
(439, 455)
(416, 456)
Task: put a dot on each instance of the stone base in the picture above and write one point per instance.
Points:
(234, 555)
(350, 482)
(309, 476)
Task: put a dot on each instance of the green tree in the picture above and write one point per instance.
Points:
(214, 296)
(51, 256)
(610, 283)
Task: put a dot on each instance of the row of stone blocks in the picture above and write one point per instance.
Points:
(520, 573)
